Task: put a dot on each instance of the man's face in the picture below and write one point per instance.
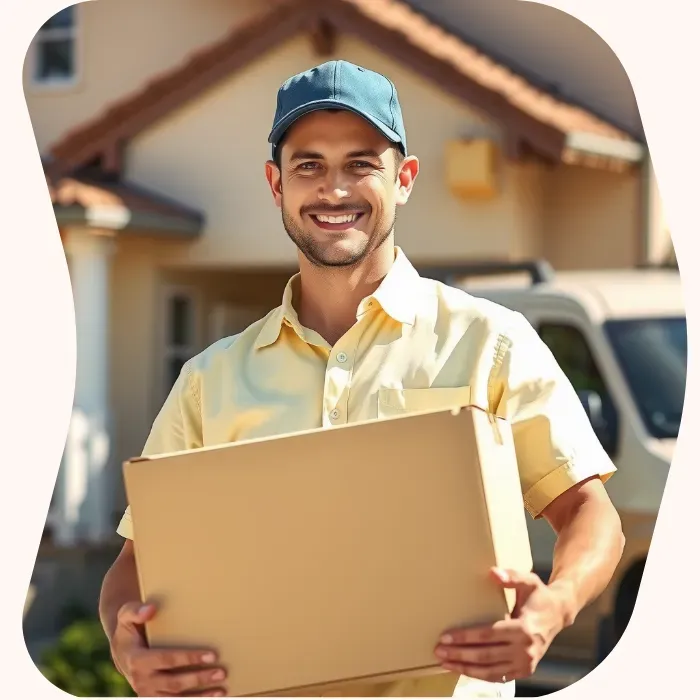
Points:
(338, 187)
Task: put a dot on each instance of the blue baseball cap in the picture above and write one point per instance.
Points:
(340, 85)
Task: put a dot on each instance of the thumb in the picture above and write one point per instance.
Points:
(135, 613)
(524, 583)
(507, 578)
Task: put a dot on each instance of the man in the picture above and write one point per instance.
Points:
(360, 335)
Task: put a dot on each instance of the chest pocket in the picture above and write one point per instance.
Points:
(398, 402)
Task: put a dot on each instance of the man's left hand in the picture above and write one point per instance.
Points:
(509, 649)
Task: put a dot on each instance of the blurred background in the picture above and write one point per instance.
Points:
(151, 119)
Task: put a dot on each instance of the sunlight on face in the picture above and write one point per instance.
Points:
(338, 187)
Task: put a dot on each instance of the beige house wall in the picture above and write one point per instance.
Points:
(138, 289)
(592, 219)
(222, 173)
(210, 154)
(574, 217)
(122, 44)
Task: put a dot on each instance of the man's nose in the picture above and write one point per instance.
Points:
(335, 188)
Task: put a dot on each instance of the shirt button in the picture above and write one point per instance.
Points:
(335, 413)
(341, 357)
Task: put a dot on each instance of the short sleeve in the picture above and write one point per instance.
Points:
(555, 444)
(177, 427)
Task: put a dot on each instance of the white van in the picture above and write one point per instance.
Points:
(620, 336)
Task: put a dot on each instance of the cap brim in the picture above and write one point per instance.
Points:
(279, 130)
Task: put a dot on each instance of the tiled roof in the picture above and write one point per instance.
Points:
(530, 115)
(478, 67)
(121, 205)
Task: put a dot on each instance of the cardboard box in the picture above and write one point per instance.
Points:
(334, 555)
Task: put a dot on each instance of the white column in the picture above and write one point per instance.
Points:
(84, 498)
(657, 236)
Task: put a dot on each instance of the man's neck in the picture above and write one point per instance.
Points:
(329, 297)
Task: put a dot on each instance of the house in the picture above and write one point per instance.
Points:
(151, 119)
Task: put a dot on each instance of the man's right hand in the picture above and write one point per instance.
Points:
(162, 672)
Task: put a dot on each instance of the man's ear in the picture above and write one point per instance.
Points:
(274, 180)
(408, 172)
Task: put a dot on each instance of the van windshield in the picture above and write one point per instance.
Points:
(653, 356)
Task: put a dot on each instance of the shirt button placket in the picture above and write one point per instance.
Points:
(337, 375)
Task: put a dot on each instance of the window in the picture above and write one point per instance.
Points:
(180, 333)
(653, 356)
(573, 354)
(55, 51)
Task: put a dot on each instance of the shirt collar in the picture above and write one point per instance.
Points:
(398, 292)
(396, 295)
(282, 314)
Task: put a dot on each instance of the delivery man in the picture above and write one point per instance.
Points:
(356, 318)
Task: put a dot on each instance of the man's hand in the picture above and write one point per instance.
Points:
(509, 649)
(161, 672)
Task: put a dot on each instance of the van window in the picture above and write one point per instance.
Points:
(653, 355)
(574, 356)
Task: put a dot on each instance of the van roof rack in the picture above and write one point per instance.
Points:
(540, 271)
(662, 265)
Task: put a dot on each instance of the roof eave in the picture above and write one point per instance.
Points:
(526, 130)
(599, 151)
(122, 219)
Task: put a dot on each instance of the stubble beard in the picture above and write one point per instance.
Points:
(314, 251)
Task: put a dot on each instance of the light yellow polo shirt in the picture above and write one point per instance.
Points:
(417, 344)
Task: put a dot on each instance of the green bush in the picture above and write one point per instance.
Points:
(80, 663)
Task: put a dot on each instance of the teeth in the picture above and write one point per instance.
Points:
(338, 219)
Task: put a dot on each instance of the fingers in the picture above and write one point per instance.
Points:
(159, 660)
(166, 660)
(198, 683)
(476, 655)
(171, 672)
(135, 614)
(507, 578)
(501, 632)
(486, 654)
(162, 672)
(507, 649)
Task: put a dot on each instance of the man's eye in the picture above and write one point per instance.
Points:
(360, 164)
(308, 166)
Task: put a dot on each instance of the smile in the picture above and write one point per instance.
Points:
(341, 222)
(347, 219)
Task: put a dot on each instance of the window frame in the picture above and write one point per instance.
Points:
(629, 387)
(74, 33)
(571, 324)
(169, 350)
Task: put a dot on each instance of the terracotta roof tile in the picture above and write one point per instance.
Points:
(531, 113)
(482, 69)
(87, 192)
